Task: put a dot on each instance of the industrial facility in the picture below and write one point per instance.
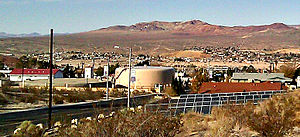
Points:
(145, 77)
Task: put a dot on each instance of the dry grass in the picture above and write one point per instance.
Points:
(276, 117)
(125, 123)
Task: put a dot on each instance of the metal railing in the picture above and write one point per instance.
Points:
(203, 103)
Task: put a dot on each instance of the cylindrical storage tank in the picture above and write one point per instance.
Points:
(146, 76)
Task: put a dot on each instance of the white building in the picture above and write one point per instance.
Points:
(33, 74)
(88, 73)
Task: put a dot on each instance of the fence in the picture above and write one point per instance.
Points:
(203, 103)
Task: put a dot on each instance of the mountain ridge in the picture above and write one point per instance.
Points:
(196, 26)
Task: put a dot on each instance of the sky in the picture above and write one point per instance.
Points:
(71, 16)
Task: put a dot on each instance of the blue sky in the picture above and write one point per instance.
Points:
(26, 16)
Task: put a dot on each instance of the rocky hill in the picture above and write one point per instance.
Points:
(197, 27)
(161, 37)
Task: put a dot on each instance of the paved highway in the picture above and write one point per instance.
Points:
(9, 121)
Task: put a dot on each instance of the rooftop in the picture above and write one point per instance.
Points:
(226, 87)
(33, 71)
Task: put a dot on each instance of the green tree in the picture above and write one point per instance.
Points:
(68, 72)
(177, 85)
(112, 68)
(99, 71)
(1, 65)
(289, 70)
(198, 79)
(251, 69)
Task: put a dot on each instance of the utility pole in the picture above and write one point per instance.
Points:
(107, 88)
(129, 80)
(50, 80)
(23, 85)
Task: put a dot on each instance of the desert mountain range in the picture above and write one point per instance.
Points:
(159, 37)
(198, 27)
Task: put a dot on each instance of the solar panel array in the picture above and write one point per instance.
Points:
(203, 103)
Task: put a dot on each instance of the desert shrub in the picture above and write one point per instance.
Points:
(275, 117)
(3, 99)
(74, 96)
(27, 129)
(88, 94)
(228, 120)
(117, 93)
(28, 98)
(141, 92)
(170, 91)
(193, 124)
(6, 89)
(57, 99)
(127, 124)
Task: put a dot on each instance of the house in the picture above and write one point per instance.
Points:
(33, 74)
(259, 77)
(227, 87)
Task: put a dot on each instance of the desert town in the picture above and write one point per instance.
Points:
(162, 68)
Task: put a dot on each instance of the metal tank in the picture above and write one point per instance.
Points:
(145, 76)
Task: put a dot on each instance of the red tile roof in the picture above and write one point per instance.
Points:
(34, 71)
(225, 87)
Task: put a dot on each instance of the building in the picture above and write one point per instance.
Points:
(5, 72)
(88, 73)
(33, 74)
(259, 77)
(145, 77)
(227, 87)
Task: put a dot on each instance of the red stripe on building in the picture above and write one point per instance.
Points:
(34, 71)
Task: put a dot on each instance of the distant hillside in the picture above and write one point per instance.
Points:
(159, 37)
(197, 27)
(7, 35)
(295, 26)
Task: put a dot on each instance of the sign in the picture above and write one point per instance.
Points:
(106, 70)
(132, 73)
(133, 78)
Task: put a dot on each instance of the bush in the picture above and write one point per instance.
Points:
(127, 124)
(74, 96)
(170, 91)
(57, 99)
(92, 95)
(3, 99)
(28, 98)
(27, 129)
(193, 124)
(229, 120)
(275, 117)
(117, 93)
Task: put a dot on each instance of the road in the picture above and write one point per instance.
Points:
(9, 121)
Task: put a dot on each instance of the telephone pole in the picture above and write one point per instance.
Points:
(50, 79)
(129, 80)
(107, 77)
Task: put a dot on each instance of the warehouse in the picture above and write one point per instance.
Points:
(33, 74)
(145, 77)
